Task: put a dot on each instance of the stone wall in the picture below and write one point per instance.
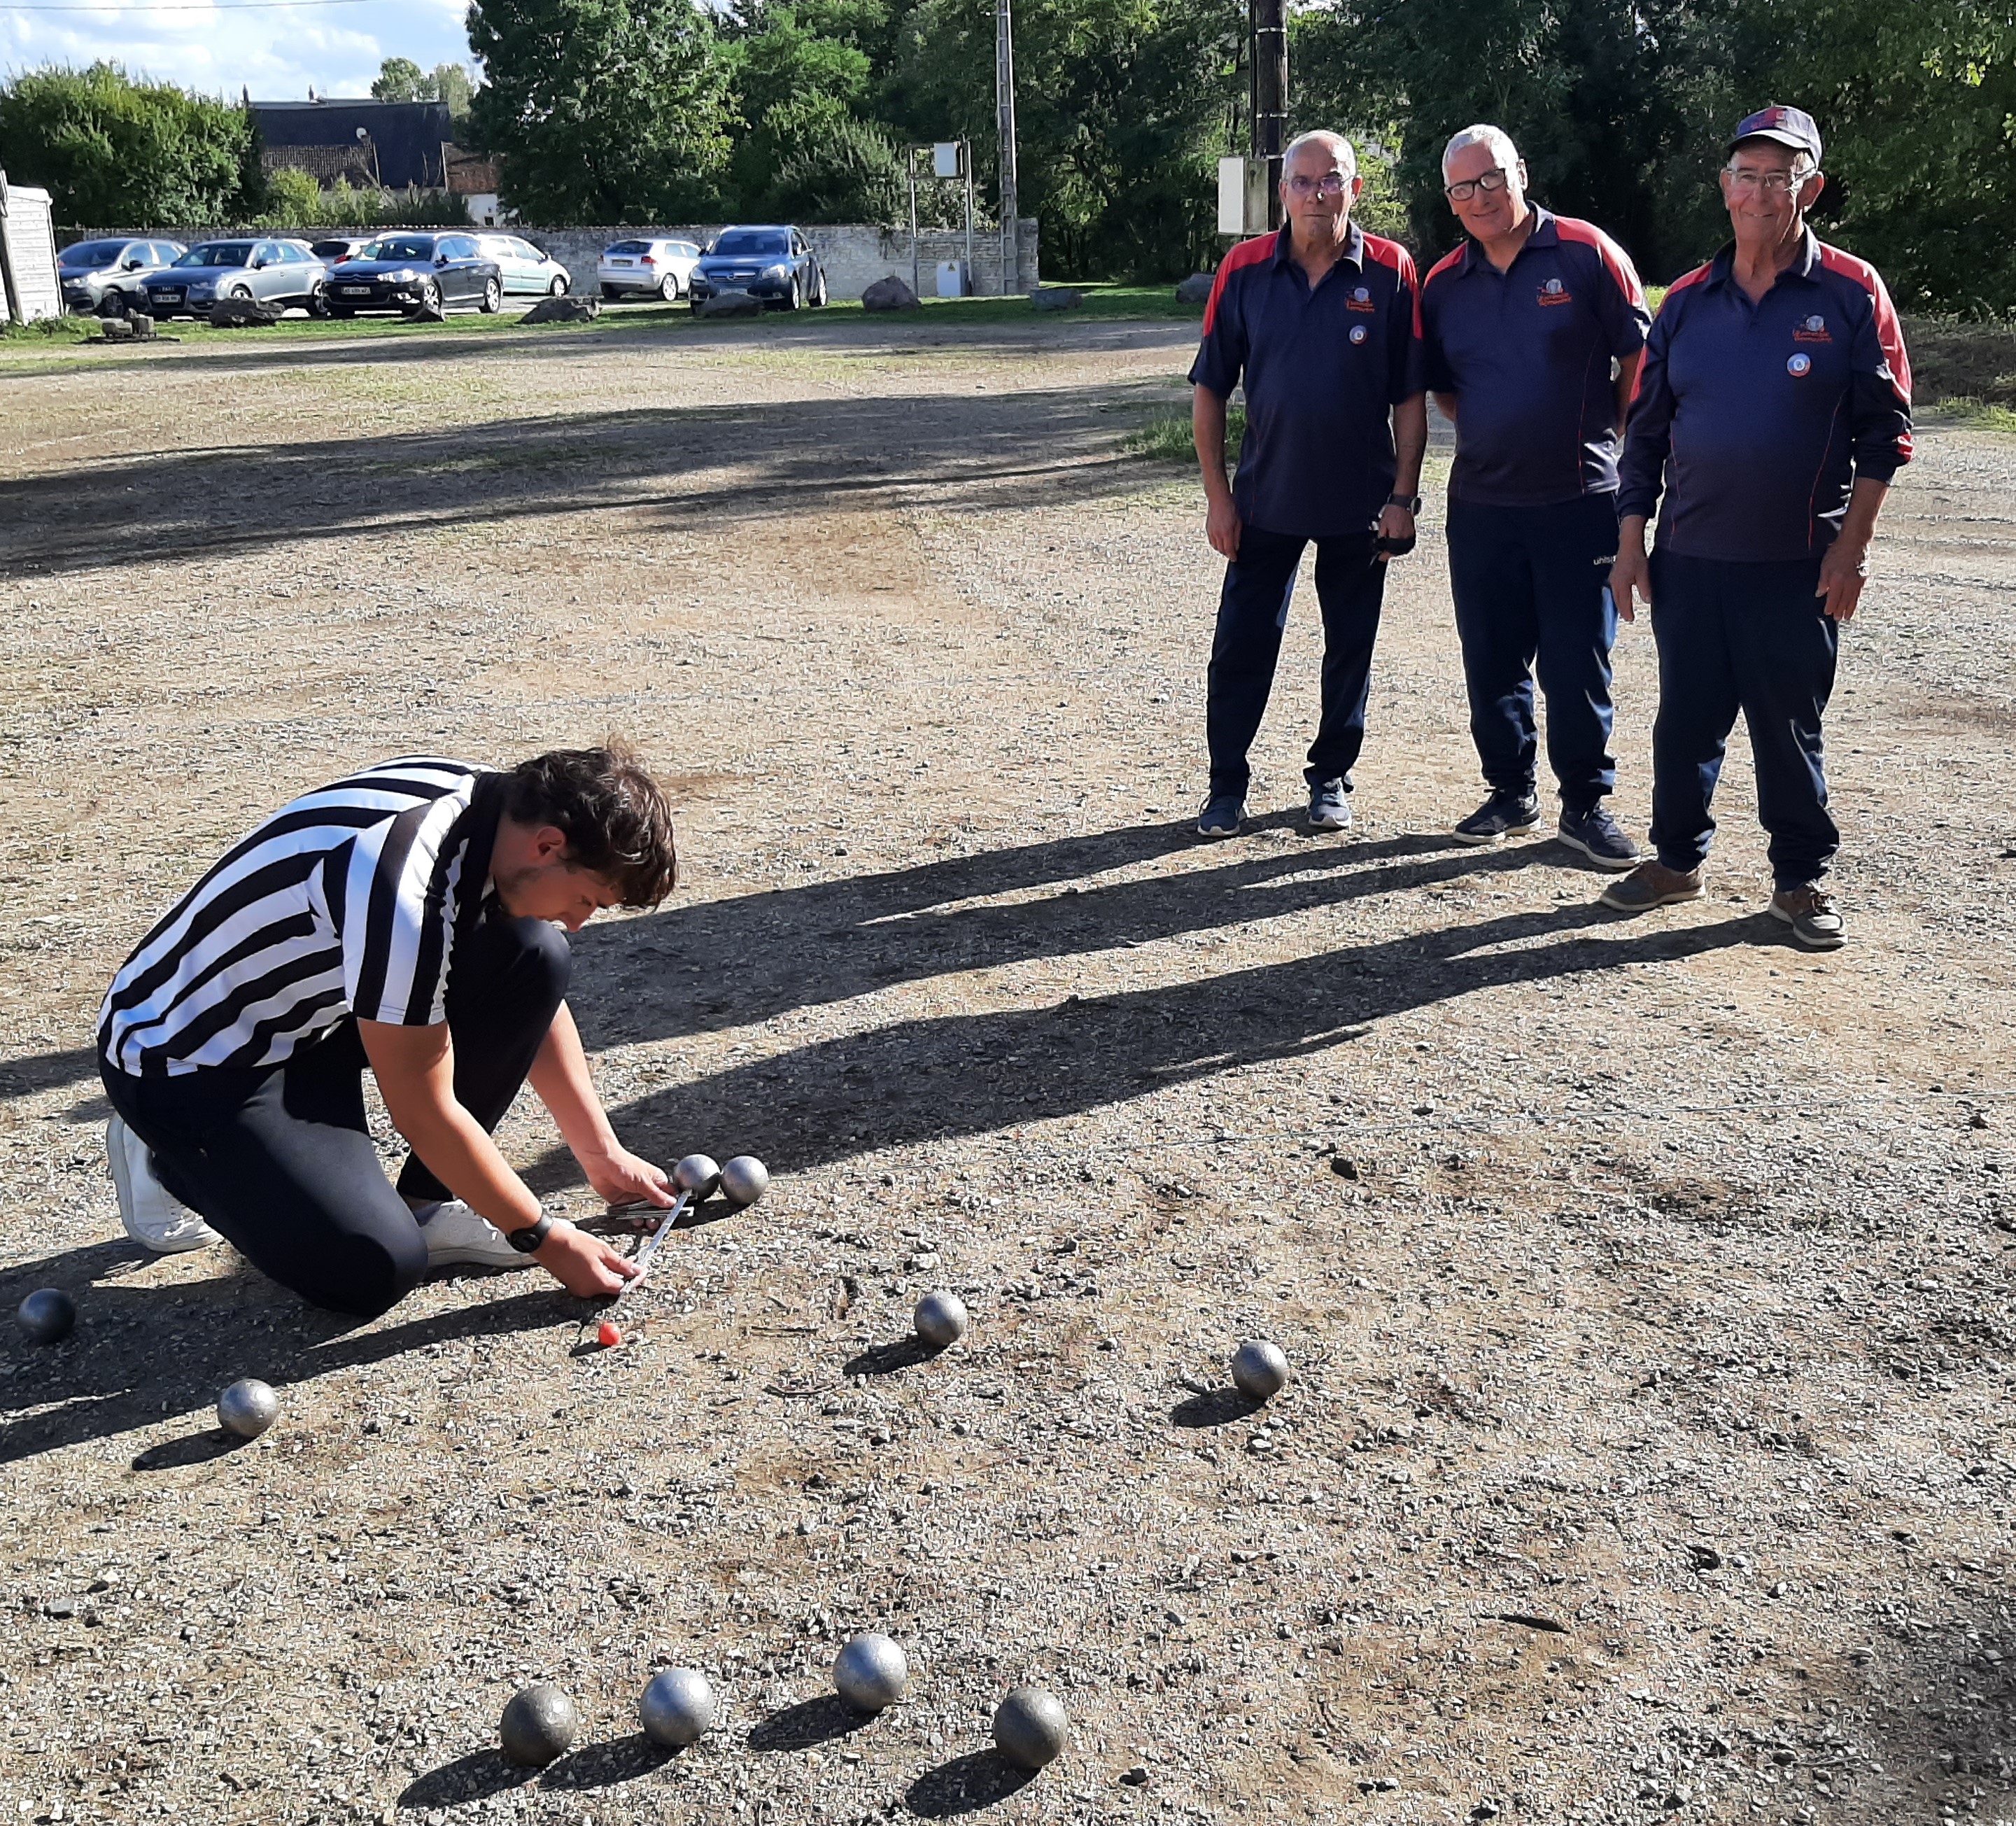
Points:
(852, 257)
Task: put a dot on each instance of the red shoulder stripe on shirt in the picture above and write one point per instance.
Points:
(1889, 332)
(1246, 253)
(1391, 253)
(1453, 258)
(1616, 262)
(1679, 285)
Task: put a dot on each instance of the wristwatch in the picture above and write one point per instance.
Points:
(1411, 502)
(528, 1239)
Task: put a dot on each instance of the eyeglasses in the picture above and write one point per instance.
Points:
(1491, 183)
(1330, 184)
(1767, 183)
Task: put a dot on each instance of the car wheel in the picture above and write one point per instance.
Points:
(493, 296)
(818, 293)
(668, 288)
(244, 292)
(558, 288)
(797, 298)
(430, 302)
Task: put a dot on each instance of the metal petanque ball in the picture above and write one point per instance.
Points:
(1260, 1370)
(744, 1179)
(538, 1723)
(698, 1175)
(871, 1673)
(248, 1408)
(47, 1315)
(940, 1319)
(677, 1708)
(1029, 1727)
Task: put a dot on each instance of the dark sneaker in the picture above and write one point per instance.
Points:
(1502, 815)
(1330, 806)
(1811, 913)
(1650, 884)
(1223, 815)
(1595, 834)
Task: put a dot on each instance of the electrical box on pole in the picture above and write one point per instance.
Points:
(1242, 196)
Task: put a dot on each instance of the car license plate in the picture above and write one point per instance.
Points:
(355, 291)
(168, 297)
(620, 262)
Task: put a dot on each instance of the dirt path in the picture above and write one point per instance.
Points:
(1647, 1283)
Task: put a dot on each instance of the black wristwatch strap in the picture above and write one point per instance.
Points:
(1411, 502)
(528, 1239)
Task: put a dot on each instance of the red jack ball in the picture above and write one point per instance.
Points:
(606, 1336)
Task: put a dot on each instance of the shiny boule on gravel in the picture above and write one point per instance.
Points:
(1259, 1370)
(47, 1315)
(248, 1408)
(1031, 1727)
(870, 1673)
(940, 1319)
(538, 1723)
(677, 1708)
(698, 1175)
(744, 1179)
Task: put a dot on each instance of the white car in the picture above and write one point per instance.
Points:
(527, 270)
(630, 267)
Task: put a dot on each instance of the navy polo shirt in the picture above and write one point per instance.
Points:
(1526, 352)
(1324, 365)
(1757, 418)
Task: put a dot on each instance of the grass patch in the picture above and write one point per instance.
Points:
(1968, 370)
(1166, 437)
(49, 329)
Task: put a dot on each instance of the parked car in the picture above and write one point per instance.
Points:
(527, 270)
(278, 272)
(420, 275)
(338, 248)
(771, 263)
(91, 272)
(636, 267)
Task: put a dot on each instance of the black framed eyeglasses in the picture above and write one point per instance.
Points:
(1490, 183)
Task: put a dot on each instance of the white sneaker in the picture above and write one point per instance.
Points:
(152, 1219)
(455, 1233)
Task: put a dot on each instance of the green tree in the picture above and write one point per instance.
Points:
(451, 83)
(833, 168)
(118, 153)
(604, 110)
(400, 79)
(1123, 108)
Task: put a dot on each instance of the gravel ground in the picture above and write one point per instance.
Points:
(1645, 1283)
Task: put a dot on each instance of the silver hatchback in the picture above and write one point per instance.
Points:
(92, 271)
(282, 273)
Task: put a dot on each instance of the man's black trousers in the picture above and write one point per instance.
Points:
(1252, 612)
(280, 1162)
(1528, 584)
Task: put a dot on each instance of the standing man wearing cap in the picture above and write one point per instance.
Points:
(1320, 321)
(1773, 406)
(1532, 331)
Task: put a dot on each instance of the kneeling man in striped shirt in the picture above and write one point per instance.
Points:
(405, 921)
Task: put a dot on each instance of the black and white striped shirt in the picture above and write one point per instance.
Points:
(347, 902)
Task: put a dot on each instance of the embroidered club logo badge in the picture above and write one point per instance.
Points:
(1553, 291)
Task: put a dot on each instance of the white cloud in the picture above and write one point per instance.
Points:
(278, 52)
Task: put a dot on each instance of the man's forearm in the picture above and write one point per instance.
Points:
(1410, 443)
(1858, 525)
(560, 1076)
(1208, 432)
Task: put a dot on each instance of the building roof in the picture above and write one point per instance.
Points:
(407, 136)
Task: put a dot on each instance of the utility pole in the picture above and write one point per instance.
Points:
(1270, 95)
(1004, 106)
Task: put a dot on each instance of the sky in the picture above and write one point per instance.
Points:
(278, 52)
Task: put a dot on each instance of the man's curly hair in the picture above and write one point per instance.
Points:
(616, 822)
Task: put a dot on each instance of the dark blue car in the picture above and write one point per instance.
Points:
(773, 263)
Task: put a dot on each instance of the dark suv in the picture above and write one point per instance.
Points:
(776, 265)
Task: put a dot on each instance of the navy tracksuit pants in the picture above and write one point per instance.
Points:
(1252, 614)
(1528, 584)
(1752, 638)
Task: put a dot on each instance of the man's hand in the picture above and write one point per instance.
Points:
(622, 1178)
(583, 1264)
(1222, 526)
(1631, 570)
(1843, 572)
(1394, 523)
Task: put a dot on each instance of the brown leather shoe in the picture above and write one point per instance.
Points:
(1811, 913)
(1651, 885)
